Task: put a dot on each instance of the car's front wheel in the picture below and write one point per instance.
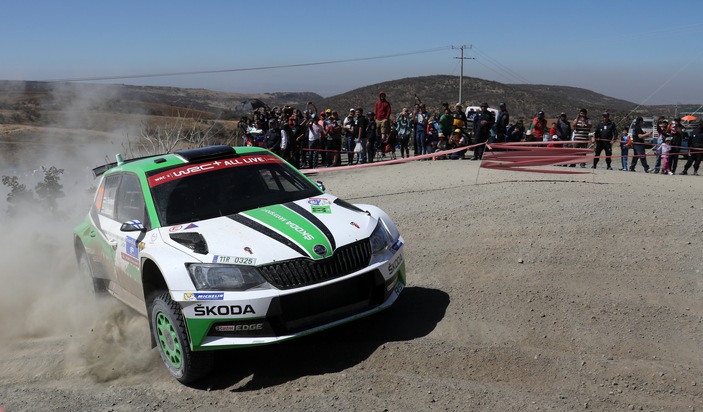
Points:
(169, 330)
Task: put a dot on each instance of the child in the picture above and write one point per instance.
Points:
(440, 147)
(554, 139)
(431, 140)
(665, 150)
(625, 144)
(553, 132)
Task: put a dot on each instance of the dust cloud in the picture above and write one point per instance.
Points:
(44, 297)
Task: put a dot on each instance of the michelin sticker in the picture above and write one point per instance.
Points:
(203, 296)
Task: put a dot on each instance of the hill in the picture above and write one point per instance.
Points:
(521, 100)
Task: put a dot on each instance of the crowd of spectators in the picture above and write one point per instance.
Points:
(311, 138)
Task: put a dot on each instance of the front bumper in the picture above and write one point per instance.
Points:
(264, 317)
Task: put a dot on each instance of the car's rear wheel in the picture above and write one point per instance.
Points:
(169, 330)
(90, 282)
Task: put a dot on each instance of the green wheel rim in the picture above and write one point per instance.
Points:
(168, 340)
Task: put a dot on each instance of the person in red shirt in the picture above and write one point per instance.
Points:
(383, 115)
(553, 130)
(539, 126)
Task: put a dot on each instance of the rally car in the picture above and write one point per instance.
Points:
(224, 247)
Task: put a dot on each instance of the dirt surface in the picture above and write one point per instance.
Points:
(526, 292)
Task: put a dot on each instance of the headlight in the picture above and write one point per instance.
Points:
(212, 276)
(380, 239)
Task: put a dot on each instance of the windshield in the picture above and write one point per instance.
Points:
(201, 191)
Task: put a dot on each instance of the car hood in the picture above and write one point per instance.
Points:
(311, 227)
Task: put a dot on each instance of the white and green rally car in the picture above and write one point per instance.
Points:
(223, 247)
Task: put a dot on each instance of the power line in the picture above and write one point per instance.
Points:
(506, 72)
(244, 69)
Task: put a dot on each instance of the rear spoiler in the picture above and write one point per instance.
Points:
(190, 155)
(104, 168)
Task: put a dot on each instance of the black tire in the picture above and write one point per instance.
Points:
(169, 331)
(92, 284)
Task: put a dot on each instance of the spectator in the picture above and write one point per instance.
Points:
(582, 129)
(432, 124)
(638, 136)
(695, 144)
(404, 130)
(371, 137)
(483, 123)
(295, 140)
(334, 140)
(413, 122)
(625, 144)
(360, 123)
(383, 116)
(456, 140)
(502, 122)
(606, 135)
(310, 108)
(349, 138)
(256, 133)
(299, 133)
(539, 126)
(552, 139)
(315, 135)
(441, 146)
(553, 132)
(470, 116)
(432, 139)
(662, 132)
(322, 149)
(676, 132)
(563, 128)
(421, 121)
(459, 117)
(243, 132)
(272, 139)
(389, 145)
(665, 150)
(446, 122)
(516, 133)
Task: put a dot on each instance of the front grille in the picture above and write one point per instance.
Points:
(300, 311)
(302, 272)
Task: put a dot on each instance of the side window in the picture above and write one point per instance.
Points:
(130, 199)
(109, 194)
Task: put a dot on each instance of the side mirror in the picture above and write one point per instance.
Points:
(132, 226)
(320, 185)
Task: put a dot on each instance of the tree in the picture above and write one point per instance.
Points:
(18, 196)
(50, 189)
(47, 191)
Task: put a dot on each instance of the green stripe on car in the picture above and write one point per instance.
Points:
(294, 227)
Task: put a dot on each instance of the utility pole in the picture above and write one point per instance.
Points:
(461, 76)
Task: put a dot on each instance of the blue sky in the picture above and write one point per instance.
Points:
(644, 51)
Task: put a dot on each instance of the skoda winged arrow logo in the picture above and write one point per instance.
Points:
(320, 250)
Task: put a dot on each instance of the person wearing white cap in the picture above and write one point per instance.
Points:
(349, 139)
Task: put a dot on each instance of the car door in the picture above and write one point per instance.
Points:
(129, 208)
(102, 249)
